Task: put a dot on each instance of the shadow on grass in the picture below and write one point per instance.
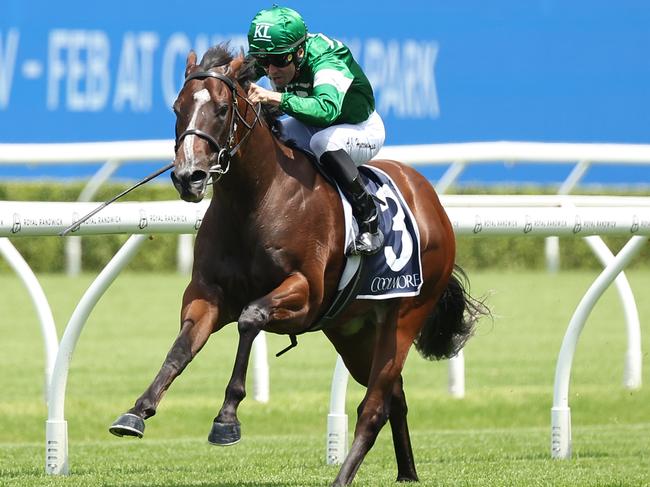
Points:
(218, 484)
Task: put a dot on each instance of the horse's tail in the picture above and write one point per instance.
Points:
(452, 322)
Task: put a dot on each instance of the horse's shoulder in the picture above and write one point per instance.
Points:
(305, 159)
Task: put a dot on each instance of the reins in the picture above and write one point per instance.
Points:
(225, 152)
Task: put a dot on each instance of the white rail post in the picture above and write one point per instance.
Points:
(552, 244)
(72, 251)
(43, 310)
(456, 365)
(560, 412)
(185, 253)
(450, 176)
(552, 253)
(456, 376)
(632, 375)
(337, 419)
(260, 369)
(56, 427)
(73, 244)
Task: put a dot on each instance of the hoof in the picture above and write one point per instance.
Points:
(407, 479)
(224, 434)
(128, 425)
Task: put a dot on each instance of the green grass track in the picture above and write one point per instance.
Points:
(498, 435)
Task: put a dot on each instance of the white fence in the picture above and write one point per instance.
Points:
(456, 157)
(476, 215)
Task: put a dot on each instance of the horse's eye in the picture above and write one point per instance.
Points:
(222, 110)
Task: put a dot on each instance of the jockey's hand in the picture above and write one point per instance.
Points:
(262, 95)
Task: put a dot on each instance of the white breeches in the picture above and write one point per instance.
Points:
(361, 141)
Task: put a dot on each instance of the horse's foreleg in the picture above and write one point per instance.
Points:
(288, 303)
(225, 428)
(198, 322)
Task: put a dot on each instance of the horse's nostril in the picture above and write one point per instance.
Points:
(198, 176)
(188, 178)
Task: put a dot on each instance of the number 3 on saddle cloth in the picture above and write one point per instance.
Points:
(394, 271)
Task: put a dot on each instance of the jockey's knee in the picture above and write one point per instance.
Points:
(321, 142)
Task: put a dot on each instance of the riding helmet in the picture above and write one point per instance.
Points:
(277, 30)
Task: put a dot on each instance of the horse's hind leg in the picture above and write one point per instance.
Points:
(384, 397)
(401, 438)
(198, 322)
(357, 353)
(286, 304)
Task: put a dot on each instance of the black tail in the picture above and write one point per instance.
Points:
(452, 322)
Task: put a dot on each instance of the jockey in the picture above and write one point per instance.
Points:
(330, 104)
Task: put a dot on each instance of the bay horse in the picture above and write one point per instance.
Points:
(269, 254)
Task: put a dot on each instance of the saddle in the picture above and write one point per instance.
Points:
(394, 272)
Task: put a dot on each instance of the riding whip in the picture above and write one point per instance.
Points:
(76, 224)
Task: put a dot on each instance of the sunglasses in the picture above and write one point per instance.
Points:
(277, 60)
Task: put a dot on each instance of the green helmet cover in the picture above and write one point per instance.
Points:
(278, 30)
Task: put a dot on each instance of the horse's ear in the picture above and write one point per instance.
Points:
(242, 69)
(191, 61)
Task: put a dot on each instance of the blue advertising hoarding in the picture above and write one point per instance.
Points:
(468, 70)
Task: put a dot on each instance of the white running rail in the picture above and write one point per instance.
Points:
(456, 156)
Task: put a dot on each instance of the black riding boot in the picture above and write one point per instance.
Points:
(341, 167)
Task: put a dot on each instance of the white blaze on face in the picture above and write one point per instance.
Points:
(201, 98)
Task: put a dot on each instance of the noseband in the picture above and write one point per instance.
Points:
(225, 152)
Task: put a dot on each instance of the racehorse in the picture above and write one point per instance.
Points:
(269, 255)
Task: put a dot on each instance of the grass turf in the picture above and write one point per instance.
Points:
(498, 435)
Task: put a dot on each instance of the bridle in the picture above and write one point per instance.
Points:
(224, 152)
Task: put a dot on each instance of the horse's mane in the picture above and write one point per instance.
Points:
(245, 73)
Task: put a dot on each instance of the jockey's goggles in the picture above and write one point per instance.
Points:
(277, 60)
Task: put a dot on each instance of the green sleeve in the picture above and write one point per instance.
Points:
(322, 107)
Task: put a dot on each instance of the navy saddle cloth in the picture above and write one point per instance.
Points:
(396, 270)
